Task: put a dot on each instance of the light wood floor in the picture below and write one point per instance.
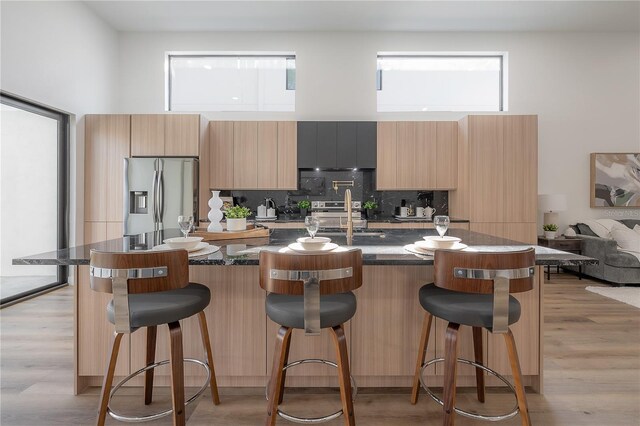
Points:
(592, 372)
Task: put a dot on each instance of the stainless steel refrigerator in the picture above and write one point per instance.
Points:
(157, 191)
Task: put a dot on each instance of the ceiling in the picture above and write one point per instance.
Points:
(398, 15)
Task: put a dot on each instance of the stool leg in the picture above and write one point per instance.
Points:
(422, 352)
(108, 379)
(344, 375)
(287, 345)
(204, 331)
(275, 385)
(151, 358)
(517, 378)
(177, 374)
(450, 365)
(477, 350)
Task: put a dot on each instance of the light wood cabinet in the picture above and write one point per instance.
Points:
(497, 175)
(175, 135)
(417, 155)
(106, 146)
(252, 155)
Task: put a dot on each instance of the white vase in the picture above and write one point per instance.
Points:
(215, 214)
(237, 224)
(550, 235)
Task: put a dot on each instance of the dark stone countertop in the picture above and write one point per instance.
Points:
(383, 249)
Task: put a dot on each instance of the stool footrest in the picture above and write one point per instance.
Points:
(150, 417)
(462, 412)
(313, 420)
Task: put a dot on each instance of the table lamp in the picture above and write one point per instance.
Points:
(550, 205)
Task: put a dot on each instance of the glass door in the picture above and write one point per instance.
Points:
(33, 195)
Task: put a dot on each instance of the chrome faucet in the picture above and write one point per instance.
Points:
(347, 207)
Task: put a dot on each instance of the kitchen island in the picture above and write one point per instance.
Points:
(382, 337)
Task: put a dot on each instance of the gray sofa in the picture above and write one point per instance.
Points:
(615, 266)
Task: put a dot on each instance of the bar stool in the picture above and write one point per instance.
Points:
(151, 289)
(472, 289)
(310, 292)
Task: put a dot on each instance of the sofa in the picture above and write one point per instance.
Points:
(614, 265)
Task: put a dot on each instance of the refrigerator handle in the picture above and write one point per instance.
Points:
(154, 191)
(161, 199)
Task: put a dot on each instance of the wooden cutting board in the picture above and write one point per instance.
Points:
(252, 231)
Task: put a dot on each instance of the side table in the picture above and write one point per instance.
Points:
(571, 245)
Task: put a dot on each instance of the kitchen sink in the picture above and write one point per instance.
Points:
(379, 234)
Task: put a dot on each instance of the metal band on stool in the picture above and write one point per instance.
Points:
(506, 416)
(312, 420)
(132, 419)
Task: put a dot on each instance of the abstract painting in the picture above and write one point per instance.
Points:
(615, 180)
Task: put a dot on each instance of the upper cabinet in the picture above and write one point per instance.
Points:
(251, 155)
(165, 135)
(336, 145)
(416, 155)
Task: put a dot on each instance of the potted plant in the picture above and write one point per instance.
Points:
(237, 218)
(550, 231)
(369, 207)
(304, 205)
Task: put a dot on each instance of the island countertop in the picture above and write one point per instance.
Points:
(378, 248)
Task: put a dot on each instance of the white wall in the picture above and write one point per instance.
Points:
(62, 55)
(585, 87)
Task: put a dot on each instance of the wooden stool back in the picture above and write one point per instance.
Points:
(147, 272)
(275, 261)
(446, 262)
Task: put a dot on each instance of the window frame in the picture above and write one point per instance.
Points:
(504, 70)
(211, 54)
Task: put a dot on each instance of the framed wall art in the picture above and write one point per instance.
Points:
(615, 180)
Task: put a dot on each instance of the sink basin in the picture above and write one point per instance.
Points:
(356, 234)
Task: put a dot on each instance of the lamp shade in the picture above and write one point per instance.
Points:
(552, 202)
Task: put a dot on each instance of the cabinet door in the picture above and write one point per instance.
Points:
(267, 160)
(446, 155)
(521, 167)
(245, 154)
(425, 156)
(307, 142)
(407, 173)
(147, 135)
(182, 135)
(486, 149)
(346, 146)
(326, 148)
(287, 155)
(221, 137)
(386, 153)
(107, 144)
(366, 145)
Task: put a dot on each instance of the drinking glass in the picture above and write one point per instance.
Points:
(312, 224)
(185, 223)
(442, 224)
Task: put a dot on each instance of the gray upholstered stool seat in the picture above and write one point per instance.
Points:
(163, 307)
(288, 310)
(471, 309)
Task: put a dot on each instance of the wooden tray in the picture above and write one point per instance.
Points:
(252, 231)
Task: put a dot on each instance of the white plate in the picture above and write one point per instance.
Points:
(205, 251)
(297, 247)
(266, 218)
(201, 245)
(412, 248)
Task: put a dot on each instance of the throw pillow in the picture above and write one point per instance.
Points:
(637, 228)
(628, 241)
(601, 227)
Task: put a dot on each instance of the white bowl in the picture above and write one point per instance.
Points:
(182, 242)
(316, 243)
(439, 242)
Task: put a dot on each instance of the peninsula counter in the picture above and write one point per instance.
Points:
(382, 337)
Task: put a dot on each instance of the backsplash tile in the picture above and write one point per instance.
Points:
(316, 185)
